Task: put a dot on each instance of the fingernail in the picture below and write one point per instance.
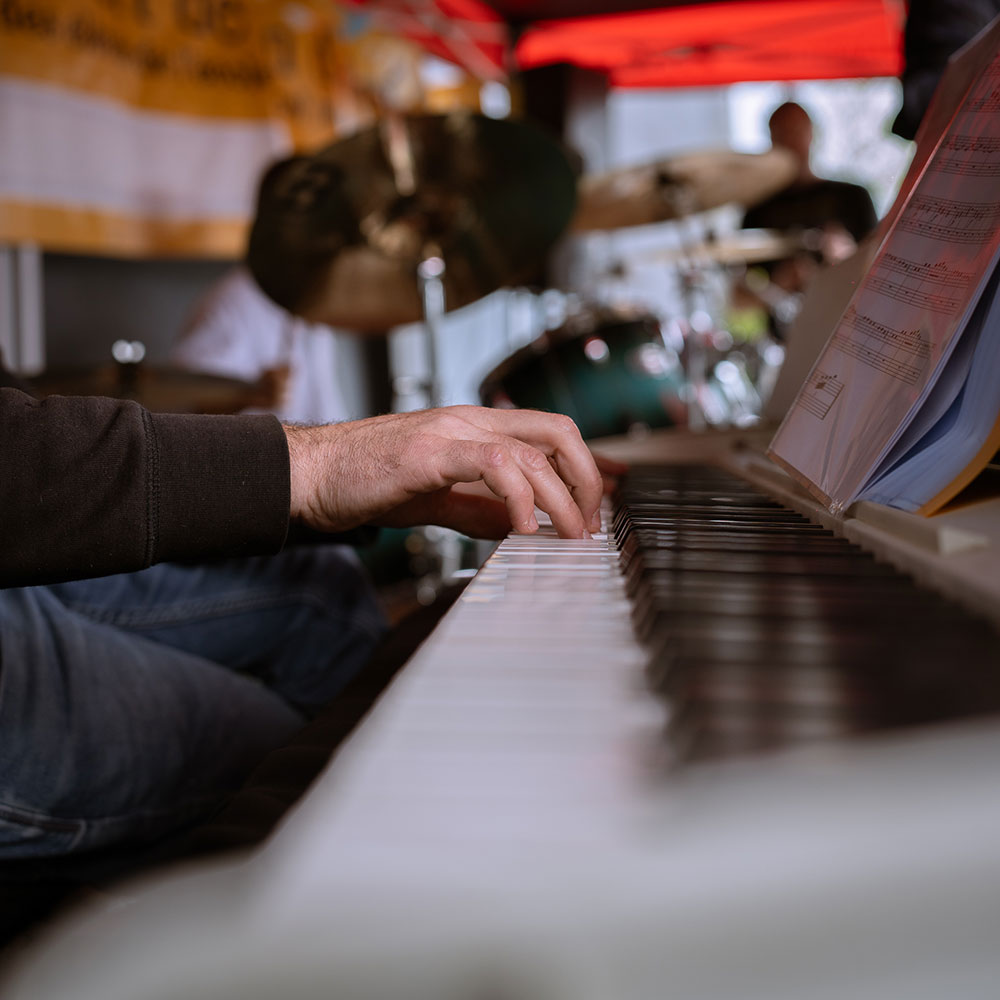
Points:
(586, 534)
(532, 523)
(595, 521)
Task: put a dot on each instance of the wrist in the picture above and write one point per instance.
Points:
(303, 446)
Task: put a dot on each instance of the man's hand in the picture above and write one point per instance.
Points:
(402, 469)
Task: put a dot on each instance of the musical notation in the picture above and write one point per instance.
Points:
(905, 280)
(951, 221)
(957, 211)
(935, 302)
(938, 273)
(972, 156)
(942, 232)
(988, 104)
(901, 354)
(971, 144)
(820, 393)
(963, 168)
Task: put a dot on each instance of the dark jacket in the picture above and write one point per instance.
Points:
(91, 486)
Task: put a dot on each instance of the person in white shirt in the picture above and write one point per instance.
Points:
(235, 330)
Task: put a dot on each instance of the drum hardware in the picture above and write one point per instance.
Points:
(430, 275)
(340, 235)
(782, 305)
(679, 186)
(702, 406)
(738, 389)
(695, 262)
(741, 247)
(612, 371)
(772, 356)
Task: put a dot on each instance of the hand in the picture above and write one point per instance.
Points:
(473, 509)
(401, 469)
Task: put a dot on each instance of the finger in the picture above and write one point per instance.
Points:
(609, 485)
(551, 492)
(522, 477)
(557, 436)
(494, 463)
(586, 487)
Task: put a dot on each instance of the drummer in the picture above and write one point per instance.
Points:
(841, 211)
(833, 216)
(235, 330)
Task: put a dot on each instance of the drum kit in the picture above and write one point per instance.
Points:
(422, 214)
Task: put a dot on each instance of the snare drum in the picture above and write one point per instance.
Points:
(608, 370)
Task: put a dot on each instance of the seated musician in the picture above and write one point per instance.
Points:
(842, 212)
(157, 634)
(832, 216)
(235, 330)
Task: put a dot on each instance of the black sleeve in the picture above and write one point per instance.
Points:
(91, 486)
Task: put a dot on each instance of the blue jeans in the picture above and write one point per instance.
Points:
(129, 705)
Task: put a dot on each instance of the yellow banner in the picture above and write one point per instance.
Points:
(230, 58)
(141, 126)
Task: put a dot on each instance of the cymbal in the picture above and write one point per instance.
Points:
(677, 186)
(339, 234)
(745, 246)
(160, 389)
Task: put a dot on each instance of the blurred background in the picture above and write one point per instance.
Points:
(135, 134)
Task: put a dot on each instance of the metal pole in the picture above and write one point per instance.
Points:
(430, 277)
(22, 331)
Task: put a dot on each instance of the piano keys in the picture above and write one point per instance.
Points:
(553, 799)
(767, 630)
(557, 693)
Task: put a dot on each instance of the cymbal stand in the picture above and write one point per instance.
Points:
(693, 276)
(692, 280)
(430, 279)
(398, 151)
(443, 546)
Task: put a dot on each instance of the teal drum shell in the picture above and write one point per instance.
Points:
(612, 374)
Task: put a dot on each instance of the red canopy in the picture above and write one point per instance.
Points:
(679, 44)
(727, 41)
(464, 32)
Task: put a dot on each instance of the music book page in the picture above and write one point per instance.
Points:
(893, 345)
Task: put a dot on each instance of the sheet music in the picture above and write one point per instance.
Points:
(943, 448)
(897, 333)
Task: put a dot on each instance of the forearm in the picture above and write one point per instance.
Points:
(93, 486)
